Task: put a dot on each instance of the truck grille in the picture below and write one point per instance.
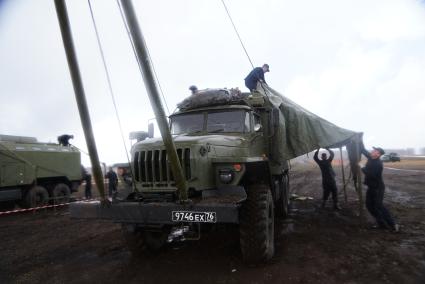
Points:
(152, 167)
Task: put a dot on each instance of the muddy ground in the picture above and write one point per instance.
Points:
(313, 246)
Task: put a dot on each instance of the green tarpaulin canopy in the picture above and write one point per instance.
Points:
(302, 131)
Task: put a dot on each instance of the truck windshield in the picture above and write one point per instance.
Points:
(228, 121)
(187, 123)
(223, 121)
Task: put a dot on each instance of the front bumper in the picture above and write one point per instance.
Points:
(224, 201)
(151, 213)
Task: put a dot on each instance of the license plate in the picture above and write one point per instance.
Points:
(191, 216)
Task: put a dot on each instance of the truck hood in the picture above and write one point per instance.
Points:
(213, 140)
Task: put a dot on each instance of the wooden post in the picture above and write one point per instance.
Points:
(343, 176)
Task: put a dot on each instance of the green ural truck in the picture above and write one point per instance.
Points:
(233, 168)
(234, 150)
(33, 173)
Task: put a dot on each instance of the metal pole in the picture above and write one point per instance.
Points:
(359, 180)
(343, 176)
(80, 95)
(154, 98)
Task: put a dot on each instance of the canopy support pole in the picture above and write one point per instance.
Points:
(80, 96)
(343, 176)
(358, 182)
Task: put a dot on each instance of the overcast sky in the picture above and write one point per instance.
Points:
(359, 64)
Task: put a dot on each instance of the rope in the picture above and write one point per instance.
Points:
(79, 149)
(110, 88)
(237, 33)
(149, 55)
(243, 46)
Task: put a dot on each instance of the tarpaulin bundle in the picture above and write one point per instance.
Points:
(211, 97)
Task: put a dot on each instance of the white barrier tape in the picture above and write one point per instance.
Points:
(42, 207)
(405, 170)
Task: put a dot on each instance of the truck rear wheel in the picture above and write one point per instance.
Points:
(257, 225)
(61, 194)
(282, 204)
(36, 196)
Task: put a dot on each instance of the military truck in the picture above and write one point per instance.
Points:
(229, 158)
(34, 173)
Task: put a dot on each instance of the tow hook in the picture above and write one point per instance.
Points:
(182, 233)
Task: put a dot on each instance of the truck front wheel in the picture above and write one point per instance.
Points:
(36, 196)
(257, 225)
(61, 194)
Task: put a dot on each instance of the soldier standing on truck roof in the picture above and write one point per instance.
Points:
(113, 181)
(257, 74)
(328, 177)
(64, 139)
(376, 189)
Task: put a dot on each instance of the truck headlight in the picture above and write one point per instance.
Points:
(225, 176)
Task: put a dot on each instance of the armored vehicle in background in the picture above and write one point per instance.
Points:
(34, 173)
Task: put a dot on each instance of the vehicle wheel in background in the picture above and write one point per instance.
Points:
(36, 196)
(256, 226)
(61, 193)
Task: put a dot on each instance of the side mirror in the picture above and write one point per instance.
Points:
(150, 130)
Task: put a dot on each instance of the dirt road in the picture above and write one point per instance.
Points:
(314, 245)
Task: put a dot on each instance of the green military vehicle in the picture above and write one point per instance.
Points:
(34, 173)
(234, 150)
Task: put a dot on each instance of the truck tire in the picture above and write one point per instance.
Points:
(282, 204)
(36, 196)
(61, 194)
(257, 225)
